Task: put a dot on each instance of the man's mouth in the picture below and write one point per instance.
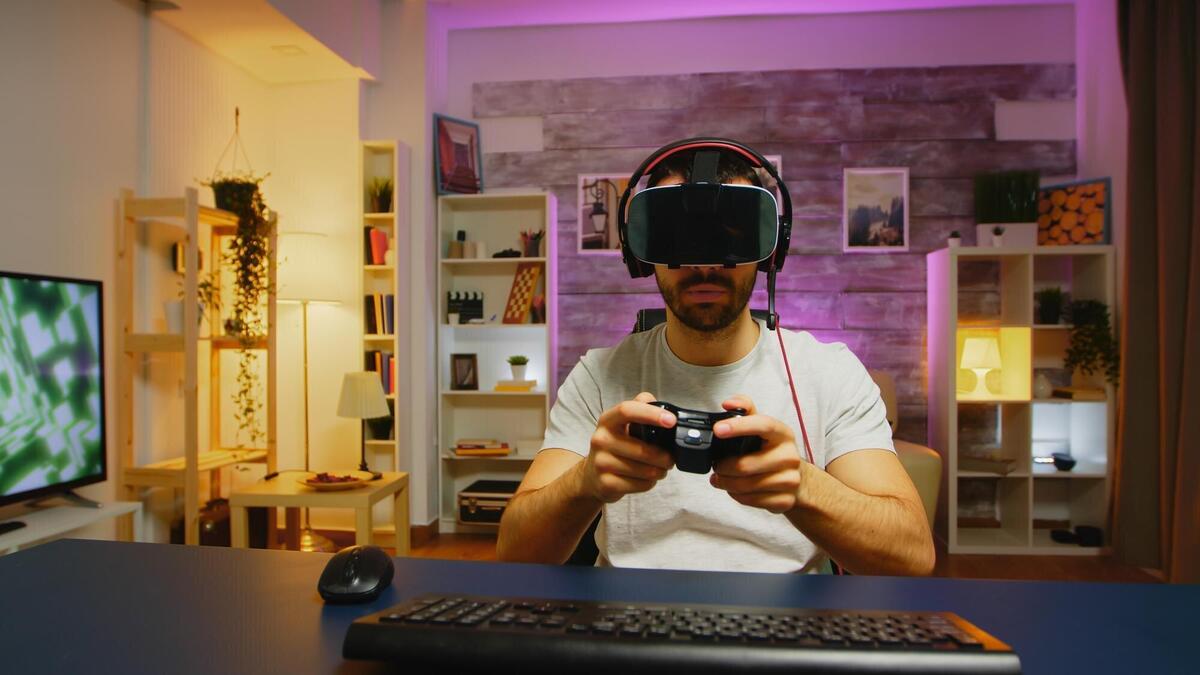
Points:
(706, 293)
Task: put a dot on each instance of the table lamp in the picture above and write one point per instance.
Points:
(303, 280)
(980, 354)
(362, 398)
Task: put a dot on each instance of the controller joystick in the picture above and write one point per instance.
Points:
(691, 442)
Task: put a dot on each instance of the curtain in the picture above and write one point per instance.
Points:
(1156, 506)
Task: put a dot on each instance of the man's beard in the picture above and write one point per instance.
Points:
(707, 317)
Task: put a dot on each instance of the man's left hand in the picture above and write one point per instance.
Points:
(768, 479)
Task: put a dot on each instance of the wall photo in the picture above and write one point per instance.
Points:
(458, 157)
(599, 195)
(875, 210)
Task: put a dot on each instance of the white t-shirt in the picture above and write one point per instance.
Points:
(683, 522)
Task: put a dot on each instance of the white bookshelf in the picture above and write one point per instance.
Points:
(495, 220)
(387, 159)
(1034, 498)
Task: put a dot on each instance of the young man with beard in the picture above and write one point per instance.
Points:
(769, 511)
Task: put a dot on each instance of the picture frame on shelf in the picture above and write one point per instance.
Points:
(1077, 213)
(875, 210)
(464, 372)
(599, 195)
(458, 156)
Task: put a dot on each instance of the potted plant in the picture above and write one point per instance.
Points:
(998, 235)
(518, 363)
(1092, 346)
(1049, 305)
(1007, 199)
(955, 239)
(379, 193)
(249, 256)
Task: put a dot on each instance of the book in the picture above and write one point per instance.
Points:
(479, 444)
(1080, 393)
(483, 452)
(515, 385)
(389, 311)
(369, 326)
(379, 245)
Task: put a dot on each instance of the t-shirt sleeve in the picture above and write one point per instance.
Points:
(858, 419)
(575, 413)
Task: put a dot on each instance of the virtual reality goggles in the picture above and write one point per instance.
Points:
(703, 222)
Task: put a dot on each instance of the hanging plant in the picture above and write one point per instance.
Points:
(1092, 344)
(249, 256)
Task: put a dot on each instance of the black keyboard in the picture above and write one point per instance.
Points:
(495, 634)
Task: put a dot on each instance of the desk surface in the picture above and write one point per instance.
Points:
(286, 490)
(90, 606)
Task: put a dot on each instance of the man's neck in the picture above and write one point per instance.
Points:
(712, 348)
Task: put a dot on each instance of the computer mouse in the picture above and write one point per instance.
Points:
(356, 574)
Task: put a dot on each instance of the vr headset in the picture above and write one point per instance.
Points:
(703, 222)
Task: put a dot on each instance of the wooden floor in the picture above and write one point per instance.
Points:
(1045, 568)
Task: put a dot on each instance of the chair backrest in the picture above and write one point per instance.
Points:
(887, 391)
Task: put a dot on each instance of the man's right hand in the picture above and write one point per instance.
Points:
(618, 464)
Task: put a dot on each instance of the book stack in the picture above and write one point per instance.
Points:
(383, 363)
(375, 246)
(379, 314)
(481, 447)
(516, 385)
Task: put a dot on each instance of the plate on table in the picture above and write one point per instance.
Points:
(328, 481)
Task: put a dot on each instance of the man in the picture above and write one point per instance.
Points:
(769, 511)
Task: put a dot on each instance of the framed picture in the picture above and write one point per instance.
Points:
(464, 372)
(1077, 213)
(599, 195)
(875, 210)
(457, 157)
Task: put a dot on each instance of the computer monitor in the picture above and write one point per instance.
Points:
(52, 426)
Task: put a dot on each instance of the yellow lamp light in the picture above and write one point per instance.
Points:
(981, 354)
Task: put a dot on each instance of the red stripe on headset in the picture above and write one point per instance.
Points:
(753, 160)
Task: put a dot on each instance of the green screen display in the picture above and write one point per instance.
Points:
(51, 385)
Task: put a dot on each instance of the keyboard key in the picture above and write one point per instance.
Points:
(606, 627)
(578, 628)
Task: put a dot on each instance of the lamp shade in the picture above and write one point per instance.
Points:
(362, 397)
(980, 352)
(304, 268)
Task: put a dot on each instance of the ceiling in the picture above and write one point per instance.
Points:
(257, 37)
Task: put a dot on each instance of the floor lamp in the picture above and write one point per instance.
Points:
(302, 282)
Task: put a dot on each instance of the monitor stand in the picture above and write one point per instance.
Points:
(11, 525)
(71, 496)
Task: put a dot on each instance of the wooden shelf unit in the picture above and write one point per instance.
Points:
(496, 221)
(196, 226)
(1024, 426)
(387, 159)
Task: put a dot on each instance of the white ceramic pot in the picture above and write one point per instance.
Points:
(954, 242)
(518, 372)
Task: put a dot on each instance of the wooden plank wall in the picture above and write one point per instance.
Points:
(939, 122)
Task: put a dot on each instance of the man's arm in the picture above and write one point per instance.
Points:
(562, 492)
(548, 515)
(865, 512)
(863, 509)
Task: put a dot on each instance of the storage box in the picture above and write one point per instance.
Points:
(483, 502)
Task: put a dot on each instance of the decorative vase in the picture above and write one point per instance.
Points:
(1042, 387)
(518, 372)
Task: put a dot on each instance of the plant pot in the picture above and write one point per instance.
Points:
(234, 195)
(997, 240)
(518, 372)
(954, 242)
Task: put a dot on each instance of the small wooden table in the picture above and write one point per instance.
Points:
(285, 491)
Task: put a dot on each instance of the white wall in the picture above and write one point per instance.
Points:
(69, 77)
(1102, 117)
(98, 98)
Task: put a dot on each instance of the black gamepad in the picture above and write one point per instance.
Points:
(691, 442)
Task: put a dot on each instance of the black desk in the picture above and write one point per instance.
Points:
(96, 607)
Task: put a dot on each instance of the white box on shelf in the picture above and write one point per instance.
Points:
(1016, 235)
